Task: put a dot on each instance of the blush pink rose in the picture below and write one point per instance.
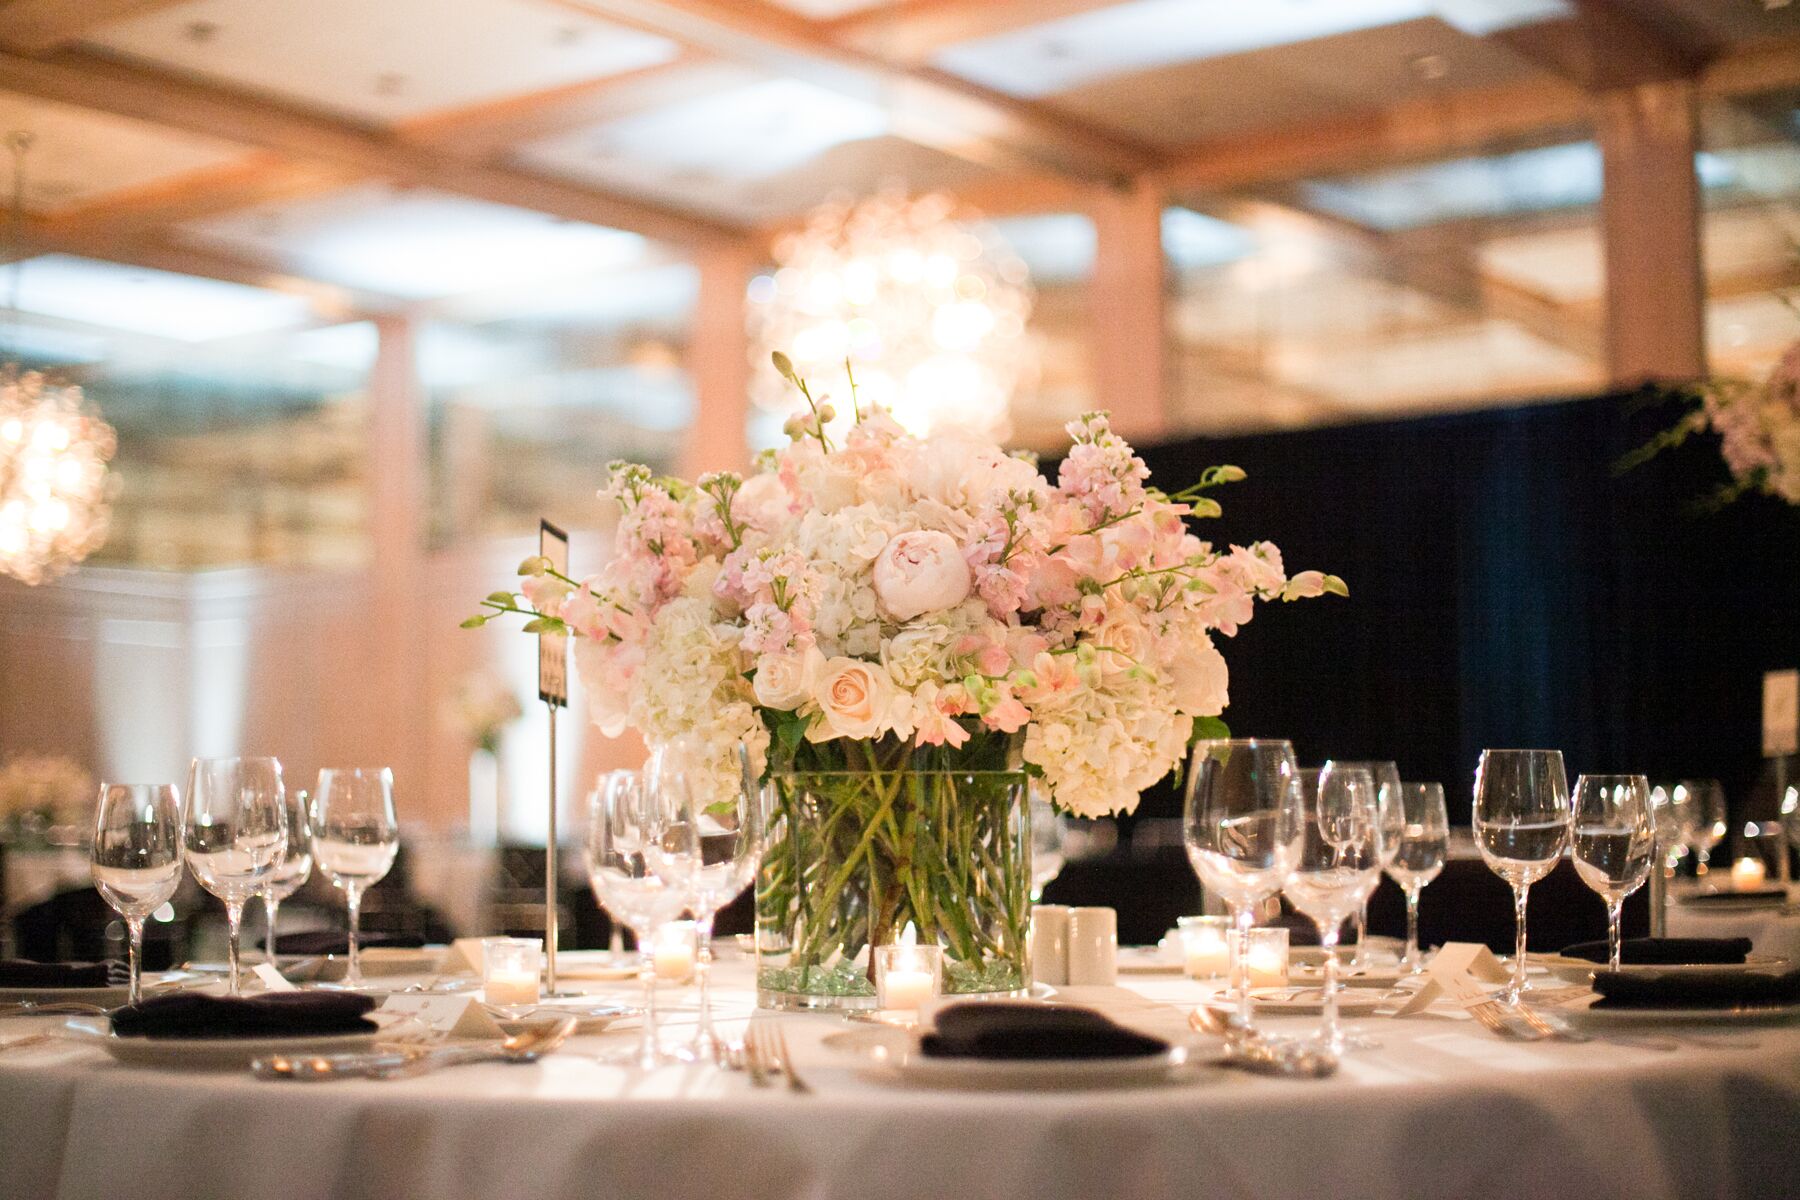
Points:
(853, 698)
(919, 572)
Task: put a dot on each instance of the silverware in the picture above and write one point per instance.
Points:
(771, 1048)
(1248, 1050)
(1503, 1021)
(34, 1039)
(751, 1050)
(522, 1047)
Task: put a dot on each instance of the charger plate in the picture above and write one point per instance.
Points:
(893, 1056)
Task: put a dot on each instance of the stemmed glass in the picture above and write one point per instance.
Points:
(621, 829)
(1337, 866)
(296, 865)
(1419, 856)
(1387, 784)
(1521, 828)
(1241, 826)
(1614, 843)
(137, 856)
(1049, 843)
(355, 838)
(1706, 825)
(711, 840)
(235, 834)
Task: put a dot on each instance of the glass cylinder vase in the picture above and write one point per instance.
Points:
(854, 856)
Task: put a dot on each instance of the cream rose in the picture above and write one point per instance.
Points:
(919, 572)
(1201, 680)
(786, 681)
(853, 698)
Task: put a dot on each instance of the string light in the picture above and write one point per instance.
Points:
(930, 309)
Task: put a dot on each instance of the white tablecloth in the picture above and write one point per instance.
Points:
(1441, 1109)
(1774, 931)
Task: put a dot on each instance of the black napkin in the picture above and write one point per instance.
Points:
(282, 1014)
(1032, 1031)
(1695, 989)
(311, 942)
(1667, 951)
(23, 973)
(1757, 897)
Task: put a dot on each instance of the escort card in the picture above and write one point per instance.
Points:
(272, 980)
(1463, 973)
(553, 648)
(454, 1016)
(1781, 713)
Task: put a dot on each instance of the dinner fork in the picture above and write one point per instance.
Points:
(766, 1051)
(1501, 1020)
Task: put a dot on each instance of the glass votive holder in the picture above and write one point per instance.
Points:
(511, 969)
(674, 950)
(1205, 946)
(1266, 957)
(907, 976)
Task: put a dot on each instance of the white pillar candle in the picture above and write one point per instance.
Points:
(510, 969)
(511, 988)
(1206, 946)
(673, 951)
(1266, 958)
(907, 975)
(1748, 874)
(908, 989)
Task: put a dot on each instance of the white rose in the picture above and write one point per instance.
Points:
(1200, 678)
(853, 698)
(786, 681)
(919, 572)
(918, 653)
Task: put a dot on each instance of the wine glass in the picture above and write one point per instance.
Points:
(1387, 783)
(296, 865)
(1521, 828)
(1614, 843)
(1419, 856)
(235, 833)
(621, 828)
(1049, 843)
(1668, 818)
(355, 838)
(1707, 825)
(711, 822)
(137, 856)
(1240, 824)
(1337, 865)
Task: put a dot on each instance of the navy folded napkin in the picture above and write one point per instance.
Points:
(23, 973)
(280, 1014)
(1696, 989)
(1032, 1031)
(313, 942)
(1666, 951)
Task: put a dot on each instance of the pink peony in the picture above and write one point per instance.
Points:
(919, 572)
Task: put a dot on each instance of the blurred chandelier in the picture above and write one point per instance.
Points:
(53, 452)
(930, 312)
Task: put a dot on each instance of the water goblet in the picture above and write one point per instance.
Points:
(235, 835)
(1240, 824)
(1337, 865)
(1419, 856)
(355, 837)
(1521, 828)
(136, 856)
(1614, 843)
(711, 822)
(296, 865)
(621, 829)
(1387, 783)
(1706, 826)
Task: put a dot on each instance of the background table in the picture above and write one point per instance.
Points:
(1773, 930)
(1442, 1109)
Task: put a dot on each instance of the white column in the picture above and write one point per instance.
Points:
(719, 363)
(1126, 299)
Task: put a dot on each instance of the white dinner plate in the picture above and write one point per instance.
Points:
(224, 1054)
(1309, 1000)
(379, 961)
(1580, 970)
(595, 964)
(1582, 1013)
(1149, 960)
(894, 1056)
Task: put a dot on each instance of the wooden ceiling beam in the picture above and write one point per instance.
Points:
(39, 26)
(913, 31)
(91, 81)
(258, 179)
(1605, 44)
(929, 106)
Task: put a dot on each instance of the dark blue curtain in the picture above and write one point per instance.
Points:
(1507, 589)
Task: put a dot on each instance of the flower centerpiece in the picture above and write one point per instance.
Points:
(480, 710)
(901, 630)
(1758, 423)
(45, 798)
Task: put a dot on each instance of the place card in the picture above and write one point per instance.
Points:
(272, 979)
(465, 955)
(1464, 973)
(1781, 713)
(454, 1016)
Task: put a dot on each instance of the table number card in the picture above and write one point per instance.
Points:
(453, 1016)
(553, 648)
(1463, 973)
(1781, 713)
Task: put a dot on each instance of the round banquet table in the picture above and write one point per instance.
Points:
(1442, 1108)
(1774, 930)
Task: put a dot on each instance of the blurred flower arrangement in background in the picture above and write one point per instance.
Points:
(42, 793)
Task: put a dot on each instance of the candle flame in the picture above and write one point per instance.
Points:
(909, 937)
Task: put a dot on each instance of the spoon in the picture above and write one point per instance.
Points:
(528, 1045)
(1247, 1050)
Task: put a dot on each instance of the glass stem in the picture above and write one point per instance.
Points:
(1240, 967)
(1330, 1033)
(353, 900)
(1614, 945)
(271, 908)
(1362, 936)
(1515, 990)
(647, 973)
(704, 1037)
(234, 928)
(135, 926)
(1414, 963)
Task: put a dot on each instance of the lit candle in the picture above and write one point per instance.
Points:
(1748, 874)
(906, 973)
(673, 952)
(1266, 958)
(510, 969)
(511, 988)
(1206, 946)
